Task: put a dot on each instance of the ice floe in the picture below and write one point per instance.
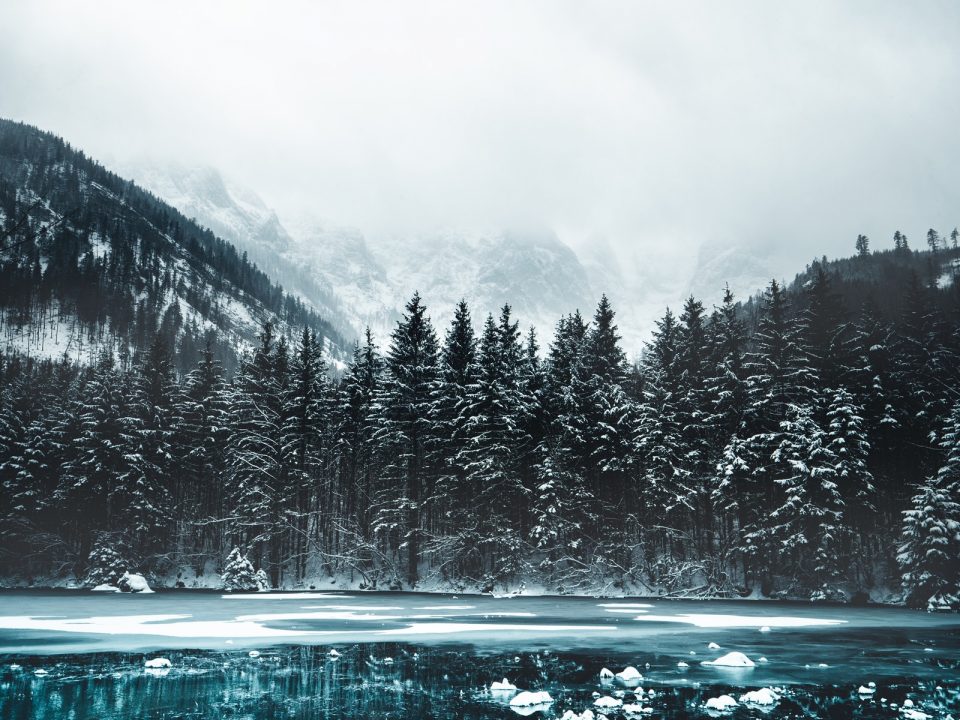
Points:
(606, 675)
(733, 659)
(713, 646)
(160, 662)
(740, 621)
(105, 588)
(284, 596)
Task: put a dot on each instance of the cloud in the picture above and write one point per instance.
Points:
(790, 127)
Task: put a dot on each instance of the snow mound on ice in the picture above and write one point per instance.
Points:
(731, 659)
(585, 715)
(629, 676)
(132, 582)
(763, 696)
(724, 703)
(607, 702)
(529, 699)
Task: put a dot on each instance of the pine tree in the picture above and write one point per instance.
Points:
(929, 552)
(494, 445)
(808, 523)
(204, 414)
(105, 564)
(406, 435)
(560, 517)
(254, 471)
(778, 368)
(155, 396)
(457, 374)
(306, 411)
(238, 574)
(863, 245)
(355, 452)
(826, 331)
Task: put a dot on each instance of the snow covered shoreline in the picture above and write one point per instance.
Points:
(213, 583)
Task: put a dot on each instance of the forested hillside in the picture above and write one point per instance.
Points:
(92, 262)
(804, 444)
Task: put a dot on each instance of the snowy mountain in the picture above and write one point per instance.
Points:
(240, 216)
(91, 261)
(365, 279)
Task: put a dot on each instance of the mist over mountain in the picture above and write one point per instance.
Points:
(364, 279)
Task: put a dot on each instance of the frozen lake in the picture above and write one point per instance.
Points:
(81, 654)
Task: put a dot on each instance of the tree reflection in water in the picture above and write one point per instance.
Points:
(388, 681)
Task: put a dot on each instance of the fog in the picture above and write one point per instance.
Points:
(655, 127)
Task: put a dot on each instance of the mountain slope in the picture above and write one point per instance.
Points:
(92, 261)
(367, 279)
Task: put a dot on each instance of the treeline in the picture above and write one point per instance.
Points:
(83, 250)
(772, 447)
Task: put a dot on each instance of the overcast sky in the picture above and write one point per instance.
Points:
(791, 126)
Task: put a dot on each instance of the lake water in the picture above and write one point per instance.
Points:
(66, 654)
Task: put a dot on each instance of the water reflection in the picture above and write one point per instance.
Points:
(405, 681)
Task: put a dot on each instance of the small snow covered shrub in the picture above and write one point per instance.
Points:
(263, 582)
(105, 564)
(238, 573)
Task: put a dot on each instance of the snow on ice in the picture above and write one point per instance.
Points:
(732, 659)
